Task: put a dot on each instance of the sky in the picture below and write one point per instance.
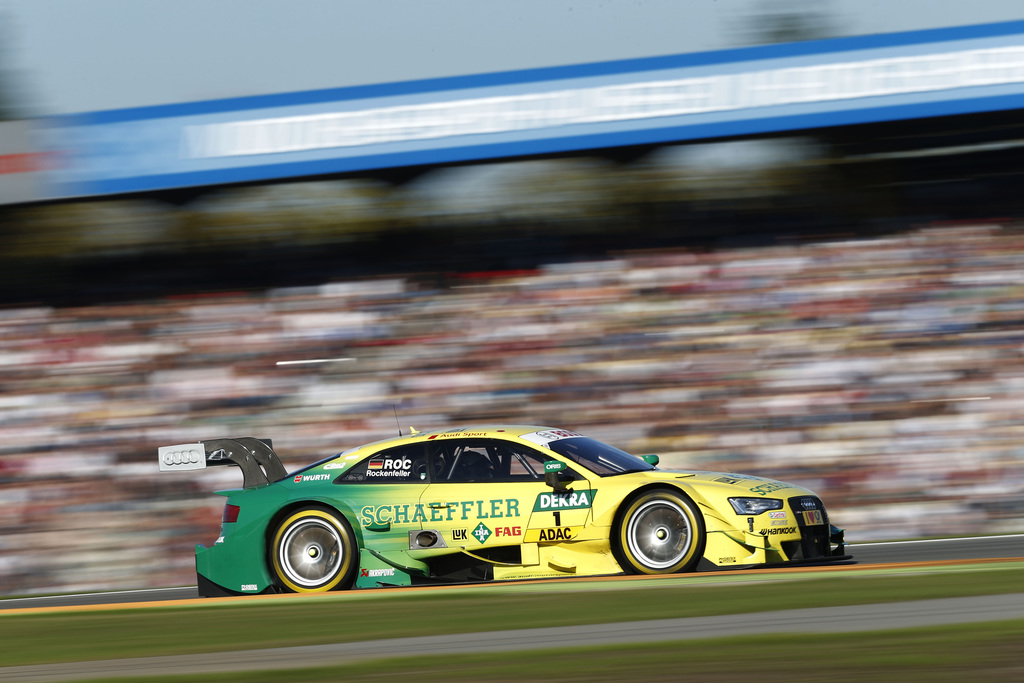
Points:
(69, 56)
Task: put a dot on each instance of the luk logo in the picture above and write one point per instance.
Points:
(573, 500)
(459, 534)
(311, 477)
(481, 532)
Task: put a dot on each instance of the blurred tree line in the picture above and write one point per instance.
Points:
(854, 180)
(502, 216)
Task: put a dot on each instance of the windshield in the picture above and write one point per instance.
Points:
(598, 457)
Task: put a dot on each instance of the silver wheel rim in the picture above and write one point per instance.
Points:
(310, 552)
(659, 534)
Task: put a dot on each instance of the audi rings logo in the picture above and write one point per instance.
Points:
(186, 457)
(183, 457)
(808, 504)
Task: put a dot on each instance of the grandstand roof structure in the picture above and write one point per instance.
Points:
(758, 90)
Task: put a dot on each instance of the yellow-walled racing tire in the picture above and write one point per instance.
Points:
(661, 531)
(313, 550)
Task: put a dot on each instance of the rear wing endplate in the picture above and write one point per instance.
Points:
(256, 458)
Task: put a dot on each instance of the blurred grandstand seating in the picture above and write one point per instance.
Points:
(885, 373)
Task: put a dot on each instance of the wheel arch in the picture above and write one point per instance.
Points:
(699, 503)
(292, 506)
(698, 500)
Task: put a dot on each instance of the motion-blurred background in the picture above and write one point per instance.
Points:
(833, 297)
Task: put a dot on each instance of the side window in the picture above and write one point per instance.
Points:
(525, 464)
(465, 461)
(395, 465)
(483, 460)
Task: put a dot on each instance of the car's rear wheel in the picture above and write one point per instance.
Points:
(659, 532)
(313, 550)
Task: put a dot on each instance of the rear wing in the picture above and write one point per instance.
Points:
(256, 457)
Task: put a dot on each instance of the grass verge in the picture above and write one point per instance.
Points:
(355, 616)
(985, 652)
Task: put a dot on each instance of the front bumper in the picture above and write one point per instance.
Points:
(733, 549)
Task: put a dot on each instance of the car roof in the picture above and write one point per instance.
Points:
(485, 431)
(499, 430)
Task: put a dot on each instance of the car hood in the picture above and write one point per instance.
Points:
(730, 483)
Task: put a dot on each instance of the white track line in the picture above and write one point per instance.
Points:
(934, 540)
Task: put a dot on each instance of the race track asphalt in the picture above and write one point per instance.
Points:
(850, 619)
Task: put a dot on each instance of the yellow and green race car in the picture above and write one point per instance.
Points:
(489, 503)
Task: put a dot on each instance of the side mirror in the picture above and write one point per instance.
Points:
(555, 475)
(651, 459)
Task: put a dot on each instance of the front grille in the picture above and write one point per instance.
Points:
(814, 538)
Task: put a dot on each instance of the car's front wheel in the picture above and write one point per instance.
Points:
(659, 532)
(313, 550)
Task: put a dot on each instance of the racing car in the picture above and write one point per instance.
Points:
(496, 502)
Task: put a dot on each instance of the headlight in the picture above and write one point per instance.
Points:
(754, 506)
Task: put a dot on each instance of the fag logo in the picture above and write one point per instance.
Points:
(482, 533)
